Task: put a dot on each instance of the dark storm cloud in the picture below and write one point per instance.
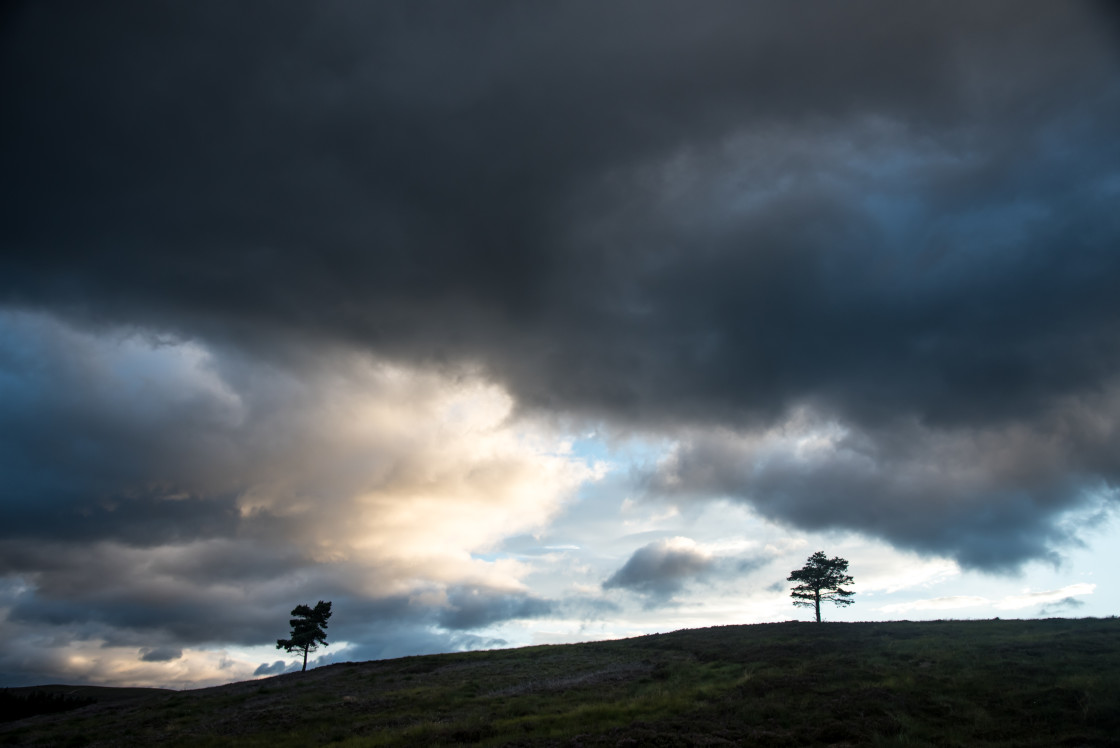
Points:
(160, 654)
(475, 607)
(668, 216)
(659, 569)
(111, 442)
(990, 498)
(1064, 605)
(275, 668)
(127, 596)
(643, 209)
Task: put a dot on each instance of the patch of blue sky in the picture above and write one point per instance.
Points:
(595, 446)
(492, 557)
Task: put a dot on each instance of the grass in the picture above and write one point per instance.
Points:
(945, 683)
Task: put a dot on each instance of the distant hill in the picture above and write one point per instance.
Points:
(966, 683)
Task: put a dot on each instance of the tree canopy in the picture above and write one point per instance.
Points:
(307, 629)
(821, 578)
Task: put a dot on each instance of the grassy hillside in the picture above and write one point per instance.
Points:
(977, 683)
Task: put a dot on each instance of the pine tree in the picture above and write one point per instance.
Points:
(821, 579)
(307, 630)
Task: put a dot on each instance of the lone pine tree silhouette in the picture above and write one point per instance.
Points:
(821, 579)
(307, 630)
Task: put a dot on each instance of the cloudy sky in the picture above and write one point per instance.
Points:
(500, 323)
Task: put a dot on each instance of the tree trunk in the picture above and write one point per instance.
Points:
(818, 606)
(305, 648)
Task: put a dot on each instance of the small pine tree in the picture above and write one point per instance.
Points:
(821, 579)
(307, 630)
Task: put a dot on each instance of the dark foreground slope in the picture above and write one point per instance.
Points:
(979, 683)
